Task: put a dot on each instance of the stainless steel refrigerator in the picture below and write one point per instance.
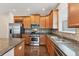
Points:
(15, 30)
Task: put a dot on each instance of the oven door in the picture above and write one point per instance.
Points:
(35, 41)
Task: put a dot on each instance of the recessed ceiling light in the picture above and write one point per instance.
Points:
(43, 9)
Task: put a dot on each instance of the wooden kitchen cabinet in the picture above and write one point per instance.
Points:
(42, 40)
(50, 47)
(27, 38)
(42, 21)
(27, 22)
(18, 19)
(51, 20)
(47, 22)
(73, 15)
(19, 50)
(32, 19)
(35, 19)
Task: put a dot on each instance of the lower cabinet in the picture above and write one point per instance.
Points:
(27, 38)
(19, 50)
(50, 47)
(42, 40)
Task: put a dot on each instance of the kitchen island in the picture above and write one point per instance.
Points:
(8, 46)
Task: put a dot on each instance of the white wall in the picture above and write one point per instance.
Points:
(63, 14)
(4, 25)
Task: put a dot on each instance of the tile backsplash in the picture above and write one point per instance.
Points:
(77, 34)
(70, 35)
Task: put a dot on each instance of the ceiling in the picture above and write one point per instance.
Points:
(26, 9)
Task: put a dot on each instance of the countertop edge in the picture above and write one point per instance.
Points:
(11, 48)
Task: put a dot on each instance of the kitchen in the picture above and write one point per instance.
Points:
(39, 29)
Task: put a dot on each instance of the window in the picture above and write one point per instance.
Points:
(65, 27)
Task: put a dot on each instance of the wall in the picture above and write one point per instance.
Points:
(62, 14)
(4, 25)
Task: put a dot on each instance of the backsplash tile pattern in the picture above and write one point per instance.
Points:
(70, 35)
(77, 34)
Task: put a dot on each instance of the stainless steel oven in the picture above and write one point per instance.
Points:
(35, 34)
(35, 41)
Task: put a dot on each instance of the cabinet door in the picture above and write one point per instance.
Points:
(18, 19)
(47, 21)
(19, 50)
(37, 18)
(32, 19)
(42, 40)
(51, 20)
(50, 47)
(42, 22)
(27, 22)
(26, 38)
(73, 18)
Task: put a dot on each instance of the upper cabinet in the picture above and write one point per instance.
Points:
(47, 21)
(35, 19)
(32, 19)
(73, 15)
(18, 19)
(51, 20)
(42, 22)
(27, 22)
(55, 19)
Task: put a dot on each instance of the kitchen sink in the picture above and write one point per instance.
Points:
(59, 40)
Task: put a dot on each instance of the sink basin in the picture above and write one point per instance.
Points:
(59, 40)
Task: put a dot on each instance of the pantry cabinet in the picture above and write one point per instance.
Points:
(73, 15)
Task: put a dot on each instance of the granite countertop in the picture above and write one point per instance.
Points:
(70, 48)
(7, 44)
